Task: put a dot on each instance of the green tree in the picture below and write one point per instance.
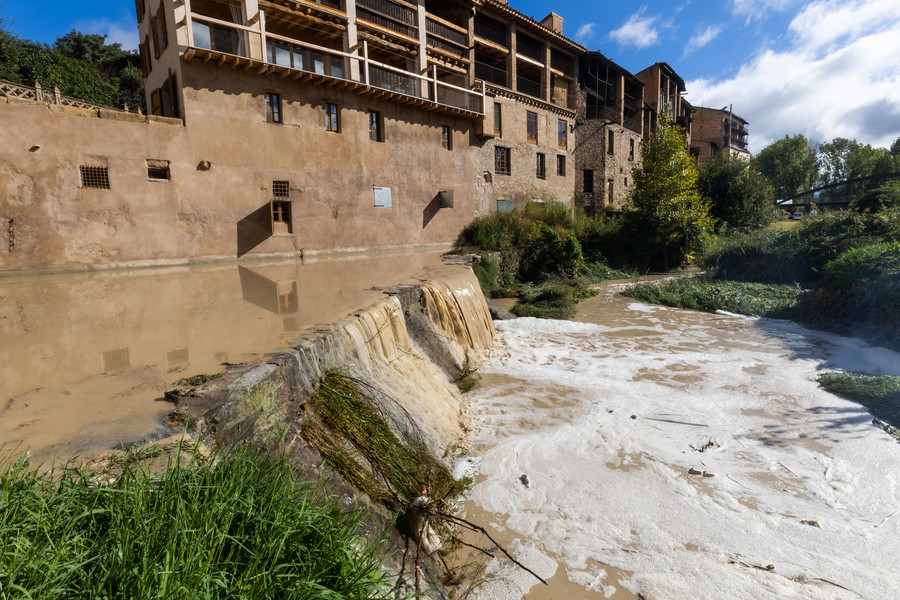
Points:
(738, 195)
(8, 47)
(118, 67)
(790, 164)
(665, 216)
(844, 160)
(75, 78)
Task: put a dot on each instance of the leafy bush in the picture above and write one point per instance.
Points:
(551, 300)
(739, 197)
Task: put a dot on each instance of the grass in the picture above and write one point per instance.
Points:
(709, 295)
(245, 527)
(552, 300)
(356, 440)
(879, 393)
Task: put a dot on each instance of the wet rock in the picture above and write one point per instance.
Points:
(701, 472)
(524, 479)
(498, 313)
(810, 522)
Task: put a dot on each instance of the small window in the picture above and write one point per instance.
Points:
(588, 186)
(273, 107)
(541, 166)
(116, 360)
(156, 103)
(95, 177)
(505, 205)
(561, 165)
(562, 135)
(383, 197)
(163, 31)
(139, 7)
(281, 189)
(332, 117)
(626, 182)
(376, 126)
(144, 52)
(610, 193)
(611, 143)
(531, 126)
(158, 169)
(631, 149)
(446, 137)
(498, 120)
(502, 164)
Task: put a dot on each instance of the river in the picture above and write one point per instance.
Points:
(681, 455)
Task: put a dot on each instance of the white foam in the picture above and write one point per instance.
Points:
(610, 424)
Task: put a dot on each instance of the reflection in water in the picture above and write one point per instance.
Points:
(86, 357)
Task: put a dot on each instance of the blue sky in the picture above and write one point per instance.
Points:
(823, 68)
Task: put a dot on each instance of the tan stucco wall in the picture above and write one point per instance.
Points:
(223, 212)
(522, 185)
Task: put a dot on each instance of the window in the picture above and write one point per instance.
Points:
(144, 51)
(588, 187)
(562, 135)
(446, 137)
(611, 143)
(163, 32)
(610, 193)
(561, 165)
(154, 31)
(498, 120)
(531, 127)
(95, 177)
(505, 205)
(541, 166)
(332, 117)
(157, 169)
(630, 149)
(281, 206)
(156, 103)
(626, 182)
(376, 128)
(273, 107)
(502, 164)
(139, 6)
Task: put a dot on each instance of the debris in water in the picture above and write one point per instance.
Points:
(711, 444)
(810, 522)
(525, 481)
(703, 472)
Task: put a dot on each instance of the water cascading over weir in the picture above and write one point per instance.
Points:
(406, 350)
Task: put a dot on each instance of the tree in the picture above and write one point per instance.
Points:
(8, 69)
(738, 195)
(790, 164)
(75, 78)
(844, 160)
(665, 214)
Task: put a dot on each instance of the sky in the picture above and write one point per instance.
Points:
(821, 68)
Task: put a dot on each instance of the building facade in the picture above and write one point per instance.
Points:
(664, 92)
(719, 131)
(608, 134)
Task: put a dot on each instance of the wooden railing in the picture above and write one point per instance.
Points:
(229, 38)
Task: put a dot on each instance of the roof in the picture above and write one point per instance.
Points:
(502, 7)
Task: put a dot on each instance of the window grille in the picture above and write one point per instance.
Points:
(95, 177)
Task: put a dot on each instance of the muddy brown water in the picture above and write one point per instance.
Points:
(86, 358)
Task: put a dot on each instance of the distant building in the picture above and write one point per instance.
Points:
(664, 92)
(719, 131)
(608, 133)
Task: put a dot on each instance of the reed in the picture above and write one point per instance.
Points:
(245, 527)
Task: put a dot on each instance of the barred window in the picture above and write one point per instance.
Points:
(95, 177)
(281, 189)
(446, 137)
(376, 127)
(502, 164)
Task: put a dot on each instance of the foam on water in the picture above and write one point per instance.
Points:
(607, 420)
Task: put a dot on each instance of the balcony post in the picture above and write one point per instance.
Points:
(262, 37)
(351, 39)
(434, 83)
(189, 23)
(366, 62)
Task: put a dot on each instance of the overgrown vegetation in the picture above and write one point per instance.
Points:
(356, 439)
(710, 295)
(848, 261)
(879, 393)
(535, 254)
(242, 526)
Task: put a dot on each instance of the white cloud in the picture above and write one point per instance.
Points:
(585, 33)
(839, 79)
(759, 9)
(702, 38)
(638, 31)
(123, 32)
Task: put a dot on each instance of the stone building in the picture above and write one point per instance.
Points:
(525, 150)
(608, 133)
(719, 131)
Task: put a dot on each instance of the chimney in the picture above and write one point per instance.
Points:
(553, 22)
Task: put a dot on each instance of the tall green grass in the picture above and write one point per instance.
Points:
(244, 528)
